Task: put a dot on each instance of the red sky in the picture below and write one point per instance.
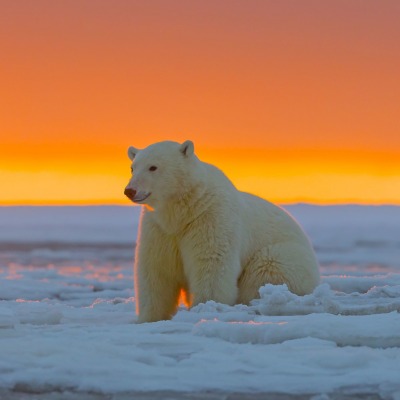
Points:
(294, 100)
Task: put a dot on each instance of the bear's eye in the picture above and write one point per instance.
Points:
(152, 168)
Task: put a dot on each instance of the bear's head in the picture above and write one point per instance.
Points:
(160, 172)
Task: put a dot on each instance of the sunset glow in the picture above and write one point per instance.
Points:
(294, 101)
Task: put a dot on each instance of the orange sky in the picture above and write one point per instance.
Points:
(294, 100)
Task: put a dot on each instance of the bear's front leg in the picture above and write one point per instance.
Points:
(157, 274)
(211, 264)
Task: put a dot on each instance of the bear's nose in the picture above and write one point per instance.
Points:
(130, 193)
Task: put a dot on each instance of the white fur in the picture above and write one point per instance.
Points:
(199, 234)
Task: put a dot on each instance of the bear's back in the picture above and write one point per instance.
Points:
(265, 222)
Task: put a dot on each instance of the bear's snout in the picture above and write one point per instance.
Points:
(130, 193)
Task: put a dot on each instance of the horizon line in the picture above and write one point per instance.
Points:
(124, 204)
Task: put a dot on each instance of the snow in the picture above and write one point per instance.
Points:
(67, 319)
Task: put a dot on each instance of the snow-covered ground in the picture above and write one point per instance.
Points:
(67, 320)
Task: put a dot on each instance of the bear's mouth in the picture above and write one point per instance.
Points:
(141, 197)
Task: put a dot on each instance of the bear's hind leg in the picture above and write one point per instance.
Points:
(278, 264)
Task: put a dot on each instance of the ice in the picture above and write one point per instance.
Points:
(94, 224)
(352, 235)
(68, 323)
(378, 331)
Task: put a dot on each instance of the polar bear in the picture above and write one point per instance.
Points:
(201, 236)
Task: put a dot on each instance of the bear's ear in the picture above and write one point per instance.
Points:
(187, 148)
(132, 151)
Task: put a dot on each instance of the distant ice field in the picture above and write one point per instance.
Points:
(363, 236)
(67, 319)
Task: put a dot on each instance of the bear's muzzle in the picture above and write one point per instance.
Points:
(130, 193)
(136, 196)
